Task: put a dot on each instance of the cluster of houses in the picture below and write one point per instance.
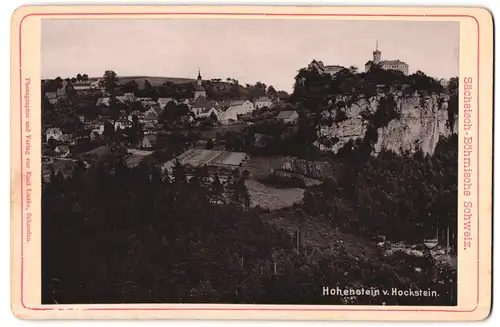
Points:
(200, 108)
(226, 112)
(54, 97)
(56, 134)
(60, 93)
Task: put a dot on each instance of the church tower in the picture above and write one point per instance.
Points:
(376, 54)
(199, 89)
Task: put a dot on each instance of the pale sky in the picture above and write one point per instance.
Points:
(249, 50)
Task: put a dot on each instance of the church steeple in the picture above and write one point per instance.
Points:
(199, 89)
(199, 80)
(376, 54)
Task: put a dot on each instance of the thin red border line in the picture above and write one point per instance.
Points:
(231, 14)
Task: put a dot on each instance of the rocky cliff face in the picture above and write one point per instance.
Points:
(422, 121)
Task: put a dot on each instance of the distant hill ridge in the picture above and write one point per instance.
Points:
(154, 80)
(216, 89)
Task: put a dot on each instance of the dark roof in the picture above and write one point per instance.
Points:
(333, 69)
(152, 138)
(133, 160)
(225, 103)
(202, 102)
(263, 99)
(393, 62)
(149, 125)
(207, 109)
(136, 113)
(157, 109)
(165, 100)
(151, 113)
(238, 102)
(99, 151)
(389, 62)
(318, 63)
(334, 66)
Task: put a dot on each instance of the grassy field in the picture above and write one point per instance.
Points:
(268, 196)
(272, 198)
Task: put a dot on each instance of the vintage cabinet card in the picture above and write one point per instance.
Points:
(312, 163)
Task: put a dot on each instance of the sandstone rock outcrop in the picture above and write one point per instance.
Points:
(423, 120)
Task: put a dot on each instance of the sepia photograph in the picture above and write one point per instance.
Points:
(249, 161)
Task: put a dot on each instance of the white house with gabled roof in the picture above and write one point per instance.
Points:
(237, 107)
(54, 133)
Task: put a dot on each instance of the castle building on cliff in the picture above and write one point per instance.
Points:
(386, 64)
(325, 69)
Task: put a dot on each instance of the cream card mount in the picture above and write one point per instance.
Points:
(292, 163)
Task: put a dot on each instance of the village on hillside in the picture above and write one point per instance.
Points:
(85, 116)
(85, 120)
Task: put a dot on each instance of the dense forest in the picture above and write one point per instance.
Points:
(404, 197)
